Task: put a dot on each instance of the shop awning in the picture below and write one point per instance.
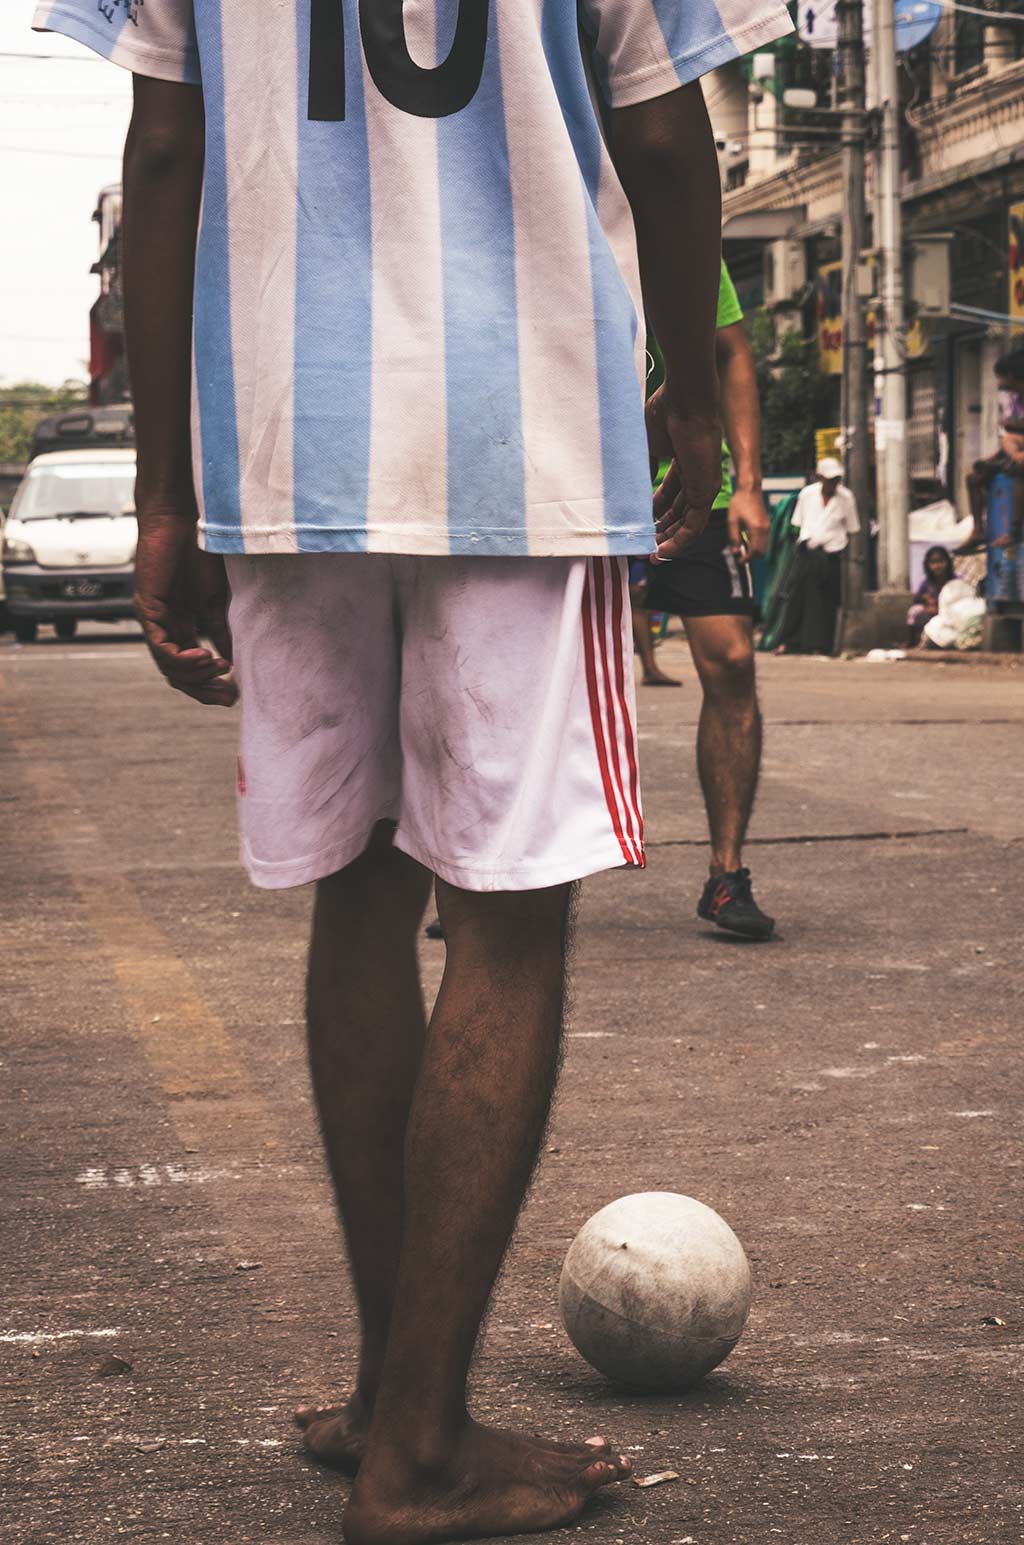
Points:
(764, 224)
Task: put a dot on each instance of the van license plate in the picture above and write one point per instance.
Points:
(81, 589)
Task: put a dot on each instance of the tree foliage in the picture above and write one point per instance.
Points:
(794, 395)
(24, 404)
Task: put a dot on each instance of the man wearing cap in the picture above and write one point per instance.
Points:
(825, 516)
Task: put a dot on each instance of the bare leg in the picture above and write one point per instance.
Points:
(643, 642)
(366, 1035)
(730, 733)
(481, 1104)
(977, 492)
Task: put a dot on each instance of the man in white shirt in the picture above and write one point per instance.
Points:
(825, 516)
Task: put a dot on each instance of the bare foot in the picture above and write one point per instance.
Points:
(657, 678)
(336, 1436)
(493, 1483)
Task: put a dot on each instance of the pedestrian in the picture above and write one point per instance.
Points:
(1007, 459)
(938, 571)
(825, 517)
(652, 674)
(709, 588)
(420, 463)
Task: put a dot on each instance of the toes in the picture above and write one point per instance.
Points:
(306, 1416)
(322, 1434)
(605, 1473)
(590, 1448)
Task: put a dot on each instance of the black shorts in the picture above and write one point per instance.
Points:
(707, 581)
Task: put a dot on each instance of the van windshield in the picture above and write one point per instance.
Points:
(95, 488)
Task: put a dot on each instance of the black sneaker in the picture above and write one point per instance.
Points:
(729, 902)
(434, 930)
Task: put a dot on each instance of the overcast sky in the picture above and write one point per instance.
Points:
(62, 127)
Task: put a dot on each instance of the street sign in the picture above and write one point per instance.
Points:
(818, 23)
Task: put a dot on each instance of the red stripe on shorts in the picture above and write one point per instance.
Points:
(615, 740)
(619, 604)
(597, 725)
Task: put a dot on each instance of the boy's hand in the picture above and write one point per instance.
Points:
(749, 525)
(682, 504)
(180, 591)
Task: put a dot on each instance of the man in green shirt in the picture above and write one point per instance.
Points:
(709, 587)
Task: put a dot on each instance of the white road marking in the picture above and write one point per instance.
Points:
(972, 1115)
(848, 1072)
(99, 1178)
(74, 654)
(29, 1336)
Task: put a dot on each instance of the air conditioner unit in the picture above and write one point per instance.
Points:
(785, 271)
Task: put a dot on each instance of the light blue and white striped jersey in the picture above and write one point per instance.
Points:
(418, 312)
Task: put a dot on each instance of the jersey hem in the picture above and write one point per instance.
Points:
(286, 874)
(518, 877)
(428, 541)
(658, 79)
(156, 63)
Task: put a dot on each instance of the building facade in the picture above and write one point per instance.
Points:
(962, 158)
(108, 370)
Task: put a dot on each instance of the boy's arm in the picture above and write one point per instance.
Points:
(664, 152)
(163, 172)
(749, 525)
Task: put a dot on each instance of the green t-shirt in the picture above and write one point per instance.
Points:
(729, 311)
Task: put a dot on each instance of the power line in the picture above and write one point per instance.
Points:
(976, 10)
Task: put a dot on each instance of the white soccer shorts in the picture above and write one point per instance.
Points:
(484, 705)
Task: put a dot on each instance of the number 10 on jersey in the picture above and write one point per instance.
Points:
(434, 93)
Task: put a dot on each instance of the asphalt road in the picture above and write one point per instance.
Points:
(848, 1097)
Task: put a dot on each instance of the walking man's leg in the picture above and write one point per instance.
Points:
(729, 741)
(479, 1112)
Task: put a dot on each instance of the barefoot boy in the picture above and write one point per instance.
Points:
(418, 461)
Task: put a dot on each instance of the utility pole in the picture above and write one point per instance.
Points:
(854, 409)
(890, 367)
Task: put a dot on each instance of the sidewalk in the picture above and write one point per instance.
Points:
(849, 1097)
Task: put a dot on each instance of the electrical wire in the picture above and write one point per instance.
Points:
(976, 10)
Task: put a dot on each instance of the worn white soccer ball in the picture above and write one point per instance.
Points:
(655, 1290)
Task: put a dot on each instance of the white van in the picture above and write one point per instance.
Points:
(69, 541)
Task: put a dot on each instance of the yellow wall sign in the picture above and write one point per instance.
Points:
(826, 443)
(828, 286)
(1015, 262)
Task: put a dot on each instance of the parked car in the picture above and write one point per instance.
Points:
(88, 427)
(69, 541)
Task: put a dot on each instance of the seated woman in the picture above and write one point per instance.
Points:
(938, 571)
